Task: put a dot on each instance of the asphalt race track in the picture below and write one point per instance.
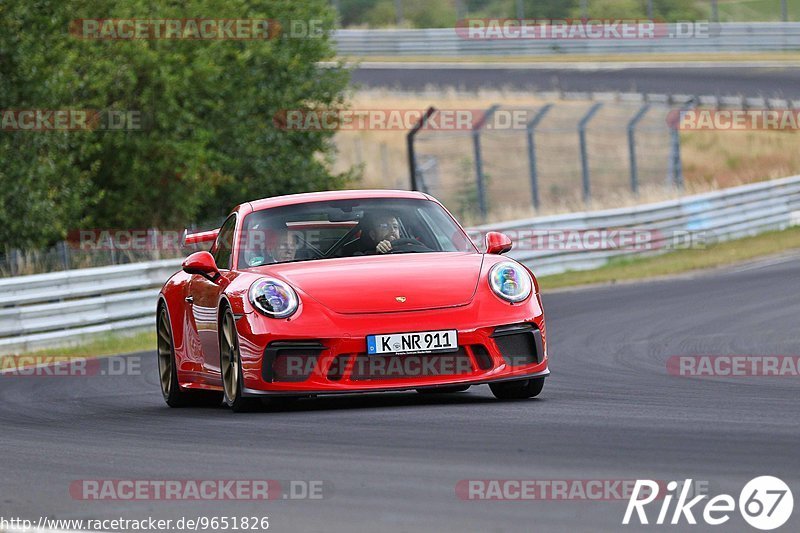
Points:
(610, 411)
(720, 81)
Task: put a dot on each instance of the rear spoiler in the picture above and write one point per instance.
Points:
(201, 236)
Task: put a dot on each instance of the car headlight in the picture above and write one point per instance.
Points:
(510, 281)
(273, 297)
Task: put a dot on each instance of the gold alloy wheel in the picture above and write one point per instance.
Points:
(229, 355)
(165, 360)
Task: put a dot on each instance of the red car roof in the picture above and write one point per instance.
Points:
(289, 199)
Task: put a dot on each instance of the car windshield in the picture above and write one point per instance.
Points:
(348, 228)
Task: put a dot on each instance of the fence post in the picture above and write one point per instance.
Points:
(64, 254)
(587, 188)
(476, 146)
(632, 146)
(113, 251)
(675, 162)
(534, 173)
(154, 242)
(412, 160)
(13, 261)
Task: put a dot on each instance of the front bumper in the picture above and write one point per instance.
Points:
(389, 388)
(283, 357)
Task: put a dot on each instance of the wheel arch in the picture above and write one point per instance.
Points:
(224, 303)
(170, 298)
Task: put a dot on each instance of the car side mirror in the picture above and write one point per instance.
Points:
(202, 263)
(497, 243)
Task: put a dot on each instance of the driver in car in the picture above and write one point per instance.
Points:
(384, 231)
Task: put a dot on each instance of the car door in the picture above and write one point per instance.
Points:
(204, 298)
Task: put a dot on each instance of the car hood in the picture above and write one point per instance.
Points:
(387, 284)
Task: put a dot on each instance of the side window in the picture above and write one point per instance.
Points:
(223, 248)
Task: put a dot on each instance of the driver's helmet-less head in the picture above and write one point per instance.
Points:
(382, 226)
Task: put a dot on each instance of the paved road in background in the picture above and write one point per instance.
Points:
(725, 81)
(609, 411)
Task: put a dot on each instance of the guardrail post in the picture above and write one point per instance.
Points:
(412, 160)
(480, 181)
(530, 130)
(587, 189)
(632, 146)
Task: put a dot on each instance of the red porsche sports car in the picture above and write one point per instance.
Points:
(344, 292)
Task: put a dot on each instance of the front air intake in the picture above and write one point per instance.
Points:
(290, 360)
(482, 357)
(519, 344)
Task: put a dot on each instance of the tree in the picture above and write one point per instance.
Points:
(207, 139)
(42, 185)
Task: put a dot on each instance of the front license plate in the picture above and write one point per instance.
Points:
(422, 342)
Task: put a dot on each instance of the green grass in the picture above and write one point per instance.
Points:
(753, 10)
(110, 344)
(716, 255)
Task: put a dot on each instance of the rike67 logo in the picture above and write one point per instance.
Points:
(765, 503)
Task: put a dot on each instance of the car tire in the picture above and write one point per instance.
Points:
(517, 390)
(444, 390)
(171, 390)
(230, 365)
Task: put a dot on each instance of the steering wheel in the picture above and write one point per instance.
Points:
(408, 245)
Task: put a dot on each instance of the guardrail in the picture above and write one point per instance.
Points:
(725, 37)
(46, 310)
(716, 216)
